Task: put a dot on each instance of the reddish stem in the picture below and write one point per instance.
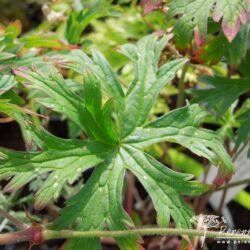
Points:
(33, 234)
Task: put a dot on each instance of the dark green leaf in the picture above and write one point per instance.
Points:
(215, 96)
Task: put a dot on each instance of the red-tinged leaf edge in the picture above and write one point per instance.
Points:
(150, 5)
(231, 30)
(199, 38)
(21, 71)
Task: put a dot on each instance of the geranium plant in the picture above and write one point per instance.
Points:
(117, 128)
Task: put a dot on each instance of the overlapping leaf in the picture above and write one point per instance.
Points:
(87, 113)
(6, 83)
(194, 15)
(215, 96)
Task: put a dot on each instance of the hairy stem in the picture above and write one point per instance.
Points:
(32, 234)
(37, 235)
(65, 234)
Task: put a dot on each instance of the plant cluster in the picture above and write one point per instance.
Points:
(118, 113)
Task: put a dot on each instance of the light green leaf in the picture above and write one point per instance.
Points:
(4, 56)
(243, 198)
(43, 41)
(185, 163)
(6, 83)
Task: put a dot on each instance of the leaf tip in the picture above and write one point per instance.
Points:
(230, 30)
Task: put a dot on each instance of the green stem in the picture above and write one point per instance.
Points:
(66, 234)
(37, 234)
(181, 87)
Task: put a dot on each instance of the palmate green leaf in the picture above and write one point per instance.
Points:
(215, 96)
(181, 126)
(194, 14)
(98, 205)
(148, 79)
(115, 140)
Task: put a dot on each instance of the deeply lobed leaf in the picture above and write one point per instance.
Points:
(181, 126)
(116, 135)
